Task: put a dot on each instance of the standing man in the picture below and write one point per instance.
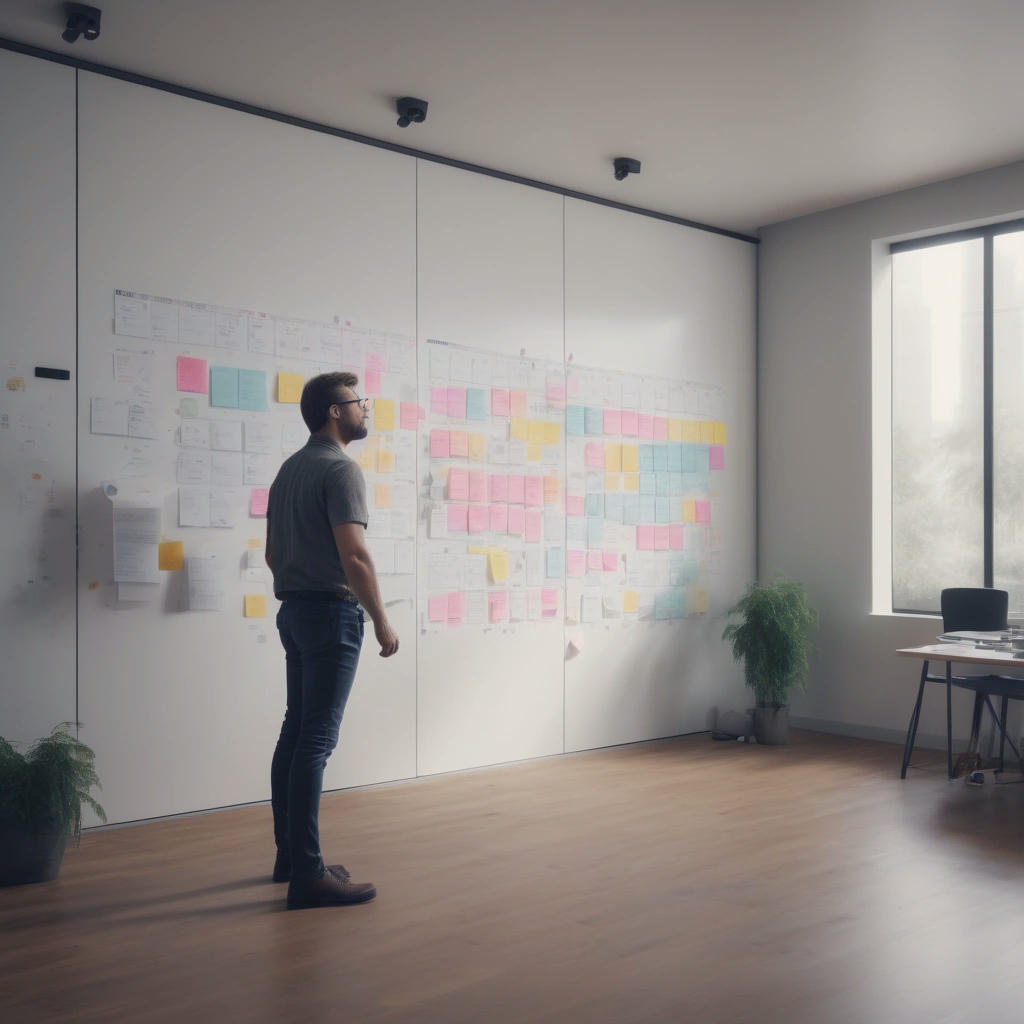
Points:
(323, 572)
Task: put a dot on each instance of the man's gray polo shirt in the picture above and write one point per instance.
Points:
(316, 489)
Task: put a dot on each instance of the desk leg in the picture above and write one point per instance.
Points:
(908, 747)
(949, 718)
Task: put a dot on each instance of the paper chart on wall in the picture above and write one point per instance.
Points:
(493, 441)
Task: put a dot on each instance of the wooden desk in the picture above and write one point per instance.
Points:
(949, 653)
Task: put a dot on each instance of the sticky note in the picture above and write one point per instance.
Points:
(457, 403)
(613, 458)
(555, 392)
(535, 431)
(704, 512)
(500, 402)
(707, 432)
(552, 433)
(366, 458)
(661, 538)
(534, 452)
(549, 597)
(385, 461)
(458, 518)
(498, 487)
(517, 403)
(289, 387)
(516, 520)
(497, 605)
(533, 490)
(440, 444)
(516, 488)
(629, 423)
(258, 500)
(255, 543)
(613, 422)
(456, 607)
(675, 430)
(575, 563)
(613, 505)
(372, 382)
(439, 401)
(593, 421)
(171, 556)
(499, 518)
(689, 510)
(224, 387)
(409, 415)
(497, 565)
(478, 447)
(631, 481)
(382, 496)
(458, 484)
(645, 538)
(611, 481)
(551, 490)
(477, 519)
(437, 608)
(630, 458)
(716, 457)
(574, 504)
(691, 431)
(553, 563)
(610, 561)
(630, 601)
(255, 606)
(645, 426)
(518, 428)
(675, 536)
(477, 404)
(574, 420)
(376, 361)
(720, 433)
(478, 490)
(594, 504)
(252, 390)
(458, 443)
(383, 414)
(192, 375)
(593, 454)
(533, 523)
(595, 560)
(660, 428)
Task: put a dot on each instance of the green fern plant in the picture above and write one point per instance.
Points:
(772, 638)
(49, 783)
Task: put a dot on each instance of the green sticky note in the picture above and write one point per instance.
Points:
(224, 387)
(252, 390)
(189, 408)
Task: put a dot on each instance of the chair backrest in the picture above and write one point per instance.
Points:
(979, 608)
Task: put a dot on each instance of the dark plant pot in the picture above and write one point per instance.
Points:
(771, 725)
(29, 853)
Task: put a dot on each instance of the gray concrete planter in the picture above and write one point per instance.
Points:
(771, 725)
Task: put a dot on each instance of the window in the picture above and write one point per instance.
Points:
(958, 415)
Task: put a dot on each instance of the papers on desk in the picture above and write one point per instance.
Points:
(975, 636)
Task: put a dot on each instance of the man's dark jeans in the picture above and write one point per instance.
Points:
(321, 638)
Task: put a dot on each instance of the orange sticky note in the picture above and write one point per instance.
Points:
(613, 458)
(255, 543)
(382, 496)
(478, 447)
(255, 606)
(675, 430)
(385, 461)
(171, 556)
(611, 481)
(689, 510)
(630, 601)
(459, 444)
(534, 453)
(289, 387)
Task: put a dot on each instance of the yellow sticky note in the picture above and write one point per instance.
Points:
(613, 458)
(518, 429)
(631, 481)
(611, 481)
(478, 551)
(255, 543)
(289, 387)
(675, 430)
(255, 606)
(497, 563)
(535, 431)
(630, 601)
(707, 432)
(385, 461)
(458, 444)
(171, 555)
(700, 601)
(478, 447)
(366, 458)
(689, 510)
(382, 496)
(691, 431)
(552, 433)
(383, 414)
(630, 458)
(534, 453)
(719, 433)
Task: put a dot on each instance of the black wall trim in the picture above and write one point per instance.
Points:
(314, 126)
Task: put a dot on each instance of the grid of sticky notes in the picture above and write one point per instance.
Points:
(495, 448)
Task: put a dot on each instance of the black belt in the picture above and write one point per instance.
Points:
(318, 595)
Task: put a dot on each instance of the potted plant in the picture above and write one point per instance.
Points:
(41, 797)
(771, 639)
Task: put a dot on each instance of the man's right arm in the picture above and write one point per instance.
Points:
(362, 579)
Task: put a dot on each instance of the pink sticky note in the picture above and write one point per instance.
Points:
(458, 485)
(516, 520)
(716, 457)
(574, 504)
(440, 444)
(517, 403)
(372, 382)
(497, 604)
(533, 521)
(572, 385)
(595, 560)
(193, 375)
(499, 487)
(675, 537)
(612, 422)
(409, 415)
(630, 426)
(556, 392)
(610, 562)
(661, 538)
(376, 362)
(533, 490)
(499, 402)
(499, 518)
(456, 607)
(477, 519)
(704, 512)
(549, 597)
(660, 428)
(477, 485)
(593, 454)
(258, 498)
(645, 426)
(516, 488)
(437, 607)
(457, 403)
(439, 401)
(458, 516)
(575, 563)
(644, 538)
(459, 444)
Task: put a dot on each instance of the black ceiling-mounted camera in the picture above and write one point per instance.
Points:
(625, 166)
(411, 111)
(82, 21)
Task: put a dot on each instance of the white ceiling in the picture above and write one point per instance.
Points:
(742, 112)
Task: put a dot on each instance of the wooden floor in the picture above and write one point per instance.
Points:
(676, 880)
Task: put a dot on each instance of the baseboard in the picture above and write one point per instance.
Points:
(876, 732)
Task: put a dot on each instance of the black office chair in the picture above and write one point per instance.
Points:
(979, 609)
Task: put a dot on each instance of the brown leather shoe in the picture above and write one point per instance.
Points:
(283, 870)
(327, 891)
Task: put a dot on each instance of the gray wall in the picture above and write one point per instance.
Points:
(821, 277)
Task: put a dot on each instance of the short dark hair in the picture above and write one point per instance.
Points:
(320, 393)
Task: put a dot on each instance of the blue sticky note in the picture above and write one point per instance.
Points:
(662, 483)
(224, 387)
(675, 458)
(663, 604)
(613, 506)
(660, 458)
(663, 510)
(593, 420)
(595, 482)
(252, 390)
(594, 505)
(646, 456)
(646, 510)
(630, 509)
(576, 531)
(595, 532)
(689, 458)
(574, 419)
(478, 404)
(648, 483)
(675, 483)
(553, 561)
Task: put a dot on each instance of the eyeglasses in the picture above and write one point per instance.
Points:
(364, 403)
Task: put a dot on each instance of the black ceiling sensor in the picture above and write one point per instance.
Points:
(82, 21)
(411, 110)
(625, 166)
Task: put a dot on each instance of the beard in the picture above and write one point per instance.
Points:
(357, 433)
